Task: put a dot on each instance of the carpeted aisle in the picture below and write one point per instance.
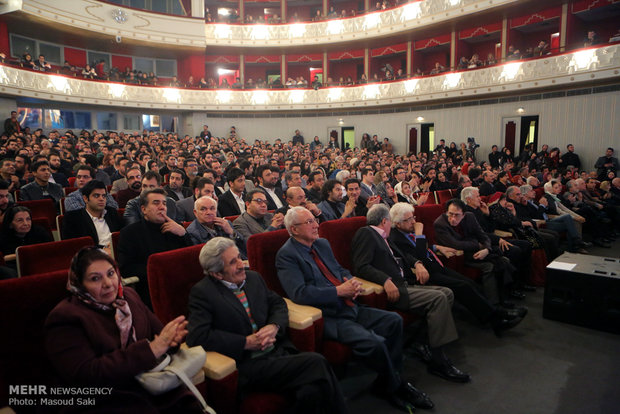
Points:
(541, 366)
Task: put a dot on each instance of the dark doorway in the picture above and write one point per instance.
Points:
(413, 140)
(529, 132)
(511, 131)
(427, 137)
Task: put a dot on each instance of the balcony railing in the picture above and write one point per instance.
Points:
(586, 65)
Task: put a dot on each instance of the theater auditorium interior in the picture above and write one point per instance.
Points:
(485, 131)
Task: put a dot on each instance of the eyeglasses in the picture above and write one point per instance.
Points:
(454, 214)
(309, 221)
(260, 200)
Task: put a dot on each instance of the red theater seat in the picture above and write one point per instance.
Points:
(24, 306)
(262, 250)
(48, 257)
(42, 209)
(443, 196)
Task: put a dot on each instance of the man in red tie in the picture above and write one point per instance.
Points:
(310, 275)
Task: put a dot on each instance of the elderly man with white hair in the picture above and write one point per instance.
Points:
(232, 312)
(311, 275)
(208, 225)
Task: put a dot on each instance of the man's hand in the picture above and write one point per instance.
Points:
(543, 202)
(484, 208)
(349, 289)
(372, 201)
(421, 273)
(312, 208)
(504, 245)
(224, 225)
(349, 208)
(171, 226)
(391, 290)
(277, 220)
(481, 254)
(418, 228)
(511, 208)
(267, 335)
(579, 219)
(526, 224)
(446, 251)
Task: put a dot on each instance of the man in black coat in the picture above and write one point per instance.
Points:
(95, 220)
(231, 202)
(267, 180)
(460, 230)
(408, 238)
(486, 187)
(231, 311)
(154, 233)
(570, 158)
(375, 260)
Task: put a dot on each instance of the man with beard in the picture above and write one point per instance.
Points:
(267, 182)
(175, 188)
(332, 207)
(134, 178)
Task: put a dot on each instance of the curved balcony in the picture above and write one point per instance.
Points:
(587, 65)
(368, 26)
(144, 26)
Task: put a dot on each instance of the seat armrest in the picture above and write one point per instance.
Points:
(370, 287)
(218, 366)
(502, 233)
(303, 310)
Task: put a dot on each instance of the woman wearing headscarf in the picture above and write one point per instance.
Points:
(405, 195)
(18, 230)
(103, 335)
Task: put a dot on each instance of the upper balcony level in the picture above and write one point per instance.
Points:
(147, 27)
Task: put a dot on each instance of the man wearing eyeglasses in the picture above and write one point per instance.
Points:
(461, 231)
(256, 219)
(310, 275)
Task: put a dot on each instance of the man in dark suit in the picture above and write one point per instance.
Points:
(407, 237)
(41, 188)
(486, 187)
(231, 311)
(460, 230)
(296, 196)
(375, 260)
(95, 220)
(332, 207)
(231, 202)
(267, 182)
(310, 275)
(155, 232)
(185, 208)
(134, 184)
(316, 179)
(353, 187)
(175, 188)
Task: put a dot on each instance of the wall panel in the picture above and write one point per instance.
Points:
(587, 121)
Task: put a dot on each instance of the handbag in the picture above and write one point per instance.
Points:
(175, 370)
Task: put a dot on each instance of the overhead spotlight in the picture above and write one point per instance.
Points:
(420, 119)
(520, 110)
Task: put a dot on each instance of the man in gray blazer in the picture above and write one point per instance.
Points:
(41, 188)
(256, 219)
(201, 187)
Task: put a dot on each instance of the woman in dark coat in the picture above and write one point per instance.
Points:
(103, 336)
(18, 230)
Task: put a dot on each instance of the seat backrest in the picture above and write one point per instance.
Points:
(170, 287)
(494, 197)
(71, 181)
(24, 306)
(540, 191)
(42, 208)
(427, 214)
(262, 250)
(186, 224)
(69, 190)
(59, 220)
(231, 218)
(48, 257)
(339, 234)
(443, 196)
(41, 221)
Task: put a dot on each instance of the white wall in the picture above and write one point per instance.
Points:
(590, 122)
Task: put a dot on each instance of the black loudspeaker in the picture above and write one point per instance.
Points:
(584, 290)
